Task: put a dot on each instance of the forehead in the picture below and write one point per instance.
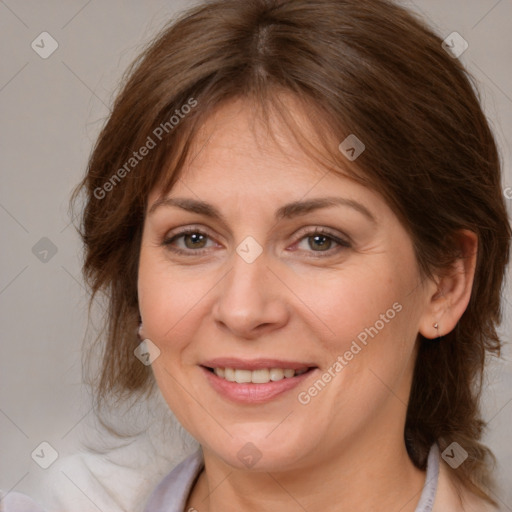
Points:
(239, 162)
(239, 143)
(238, 131)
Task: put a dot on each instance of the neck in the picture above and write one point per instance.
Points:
(361, 477)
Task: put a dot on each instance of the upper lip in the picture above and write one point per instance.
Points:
(254, 364)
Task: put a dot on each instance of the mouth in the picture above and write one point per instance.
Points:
(260, 376)
(254, 381)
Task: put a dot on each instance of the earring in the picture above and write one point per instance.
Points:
(436, 327)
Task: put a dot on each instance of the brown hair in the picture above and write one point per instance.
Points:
(366, 67)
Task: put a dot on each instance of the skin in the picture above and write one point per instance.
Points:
(295, 302)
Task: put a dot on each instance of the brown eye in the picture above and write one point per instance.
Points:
(320, 242)
(189, 241)
(194, 240)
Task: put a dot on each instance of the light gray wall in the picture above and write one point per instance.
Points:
(51, 111)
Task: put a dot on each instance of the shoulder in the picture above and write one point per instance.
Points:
(17, 502)
(114, 482)
(451, 496)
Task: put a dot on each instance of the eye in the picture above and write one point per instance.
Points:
(191, 240)
(321, 241)
(188, 240)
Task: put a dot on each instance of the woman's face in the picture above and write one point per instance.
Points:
(261, 262)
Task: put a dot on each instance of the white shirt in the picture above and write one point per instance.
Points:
(172, 492)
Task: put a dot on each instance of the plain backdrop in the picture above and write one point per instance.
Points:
(51, 112)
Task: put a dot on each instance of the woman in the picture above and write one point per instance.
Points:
(295, 211)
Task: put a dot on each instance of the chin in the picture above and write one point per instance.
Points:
(258, 453)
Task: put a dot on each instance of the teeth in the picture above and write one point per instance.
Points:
(289, 373)
(261, 376)
(243, 376)
(276, 374)
(229, 374)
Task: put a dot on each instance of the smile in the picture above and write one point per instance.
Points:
(256, 381)
(260, 376)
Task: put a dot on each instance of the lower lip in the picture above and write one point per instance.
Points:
(253, 393)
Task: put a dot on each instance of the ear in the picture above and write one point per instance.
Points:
(140, 330)
(448, 295)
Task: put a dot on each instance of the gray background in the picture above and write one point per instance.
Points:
(51, 112)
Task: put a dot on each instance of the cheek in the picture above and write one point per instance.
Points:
(168, 298)
(169, 302)
(367, 316)
(344, 302)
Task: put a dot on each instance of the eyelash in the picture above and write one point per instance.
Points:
(341, 243)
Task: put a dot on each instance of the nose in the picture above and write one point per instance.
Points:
(251, 300)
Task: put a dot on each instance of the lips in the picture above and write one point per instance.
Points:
(255, 364)
(249, 381)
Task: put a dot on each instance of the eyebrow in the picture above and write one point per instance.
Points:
(288, 211)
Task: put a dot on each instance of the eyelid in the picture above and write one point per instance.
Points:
(185, 230)
(341, 239)
(173, 235)
(321, 230)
